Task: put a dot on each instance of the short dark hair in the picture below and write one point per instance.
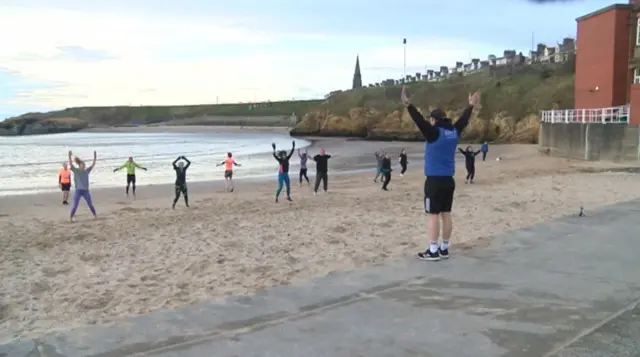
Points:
(228, 154)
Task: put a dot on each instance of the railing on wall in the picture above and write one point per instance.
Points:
(613, 115)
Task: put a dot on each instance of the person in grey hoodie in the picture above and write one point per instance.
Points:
(81, 182)
(303, 166)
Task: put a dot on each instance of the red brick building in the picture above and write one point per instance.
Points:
(608, 59)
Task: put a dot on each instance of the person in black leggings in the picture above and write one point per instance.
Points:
(181, 180)
(470, 162)
(385, 169)
(403, 161)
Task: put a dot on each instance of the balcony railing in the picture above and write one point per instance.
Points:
(613, 115)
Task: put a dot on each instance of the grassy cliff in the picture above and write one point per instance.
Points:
(71, 119)
(512, 99)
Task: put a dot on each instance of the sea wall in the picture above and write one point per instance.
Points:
(615, 142)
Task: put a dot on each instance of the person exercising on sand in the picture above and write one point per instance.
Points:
(228, 163)
(81, 183)
(64, 182)
(322, 171)
(283, 170)
(402, 159)
(304, 157)
(470, 162)
(131, 166)
(385, 169)
(441, 142)
(181, 180)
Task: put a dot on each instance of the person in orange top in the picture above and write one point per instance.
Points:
(64, 182)
(228, 163)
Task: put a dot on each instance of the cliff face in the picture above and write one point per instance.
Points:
(509, 109)
(39, 126)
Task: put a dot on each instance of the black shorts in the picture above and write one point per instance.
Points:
(438, 194)
(131, 179)
(66, 187)
(228, 173)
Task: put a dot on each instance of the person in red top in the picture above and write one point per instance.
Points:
(228, 163)
(64, 182)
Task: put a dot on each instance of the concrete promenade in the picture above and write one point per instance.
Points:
(564, 288)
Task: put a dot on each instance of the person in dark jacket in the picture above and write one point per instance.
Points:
(441, 142)
(485, 149)
(470, 162)
(402, 159)
(385, 169)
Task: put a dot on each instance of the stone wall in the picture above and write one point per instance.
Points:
(616, 142)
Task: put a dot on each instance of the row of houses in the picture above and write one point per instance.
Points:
(559, 53)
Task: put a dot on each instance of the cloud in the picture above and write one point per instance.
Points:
(91, 58)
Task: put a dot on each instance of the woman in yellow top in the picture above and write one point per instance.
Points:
(131, 166)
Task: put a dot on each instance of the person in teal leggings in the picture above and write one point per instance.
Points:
(283, 171)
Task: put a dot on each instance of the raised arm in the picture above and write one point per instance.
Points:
(293, 149)
(175, 162)
(299, 154)
(477, 152)
(463, 121)
(70, 159)
(93, 163)
(187, 161)
(461, 151)
(429, 131)
(121, 167)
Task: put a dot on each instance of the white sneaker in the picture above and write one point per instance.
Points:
(315, 193)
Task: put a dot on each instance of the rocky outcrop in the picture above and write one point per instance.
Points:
(38, 126)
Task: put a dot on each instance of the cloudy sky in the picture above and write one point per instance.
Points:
(63, 53)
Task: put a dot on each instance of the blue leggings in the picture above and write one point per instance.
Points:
(283, 179)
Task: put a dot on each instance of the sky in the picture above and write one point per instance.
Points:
(56, 54)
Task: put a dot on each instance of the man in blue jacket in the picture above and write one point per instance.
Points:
(485, 149)
(441, 142)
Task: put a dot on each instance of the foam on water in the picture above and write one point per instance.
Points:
(30, 164)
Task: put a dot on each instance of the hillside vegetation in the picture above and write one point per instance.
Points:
(509, 111)
(512, 98)
(277, 113)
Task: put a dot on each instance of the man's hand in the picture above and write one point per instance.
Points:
(70, 153)
(114, 170)
(144, 168)
(474, 99)
(403, 96)
(273, 145)
(95, 154)
(293, 143)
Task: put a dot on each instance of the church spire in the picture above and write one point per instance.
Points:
(357, 77)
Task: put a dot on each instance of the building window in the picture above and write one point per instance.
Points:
(636, 76)
(638, 32)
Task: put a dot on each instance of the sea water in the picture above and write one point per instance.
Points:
(30, 164)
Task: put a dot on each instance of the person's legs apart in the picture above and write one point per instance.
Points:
(87, 197)
(185, 194)
(178, 190)
(378, 174)
(318, 179)
(325, 181)
(280, 184)
(438, 201)
(306, 177)
(386, 177)
(287, 183)
(76, 202)
(472, 174)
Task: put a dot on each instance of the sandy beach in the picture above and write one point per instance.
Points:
(141, 255)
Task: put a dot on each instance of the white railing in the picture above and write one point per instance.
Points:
(613, 115)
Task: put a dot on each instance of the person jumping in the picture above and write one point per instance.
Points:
(64, 182)
(303, 166)
(470, 162)
(181, 180)
(228, 163)
(441, 141)
(322, 171)
(131, 166)
(402, 159)
(81, 183)
(283, 171)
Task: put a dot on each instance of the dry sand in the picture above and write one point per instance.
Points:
(140, 256)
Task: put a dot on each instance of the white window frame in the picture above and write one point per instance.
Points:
(638, 32)
(636, 76)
